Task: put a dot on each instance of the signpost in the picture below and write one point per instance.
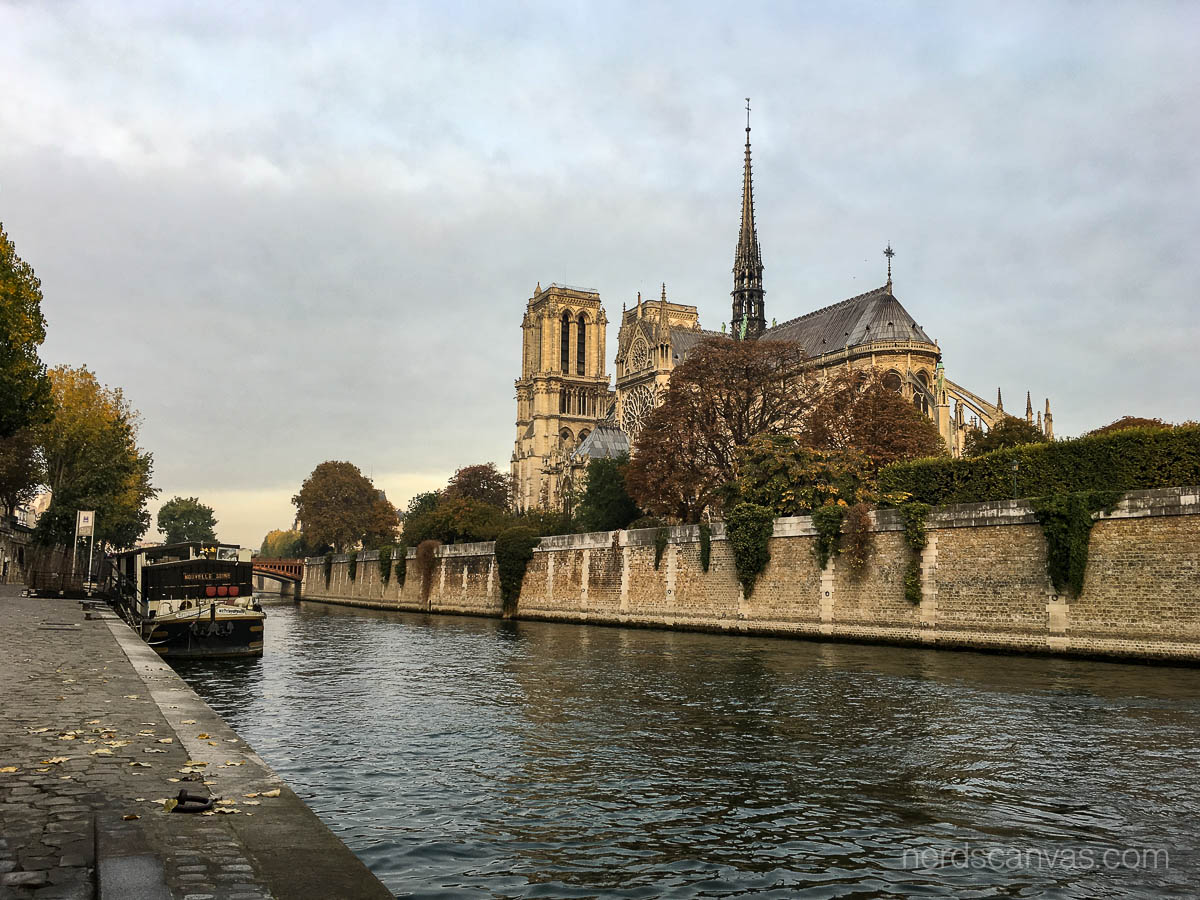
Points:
(85, 526)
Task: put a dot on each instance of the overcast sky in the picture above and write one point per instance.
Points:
(298, 232)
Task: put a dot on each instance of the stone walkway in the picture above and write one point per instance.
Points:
(96, 732)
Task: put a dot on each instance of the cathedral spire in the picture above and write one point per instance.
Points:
(747, 260)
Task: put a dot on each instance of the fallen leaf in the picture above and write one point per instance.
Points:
(89, 740)
(203, 736)
(250, 796)
(274, 793)
(7, 769)
(153, 750)
(38, 730)
(231, 740)
(93, 722)
(226, 801)
(101, 752)
(151, 733)
(147, 724)
(66, 737)
(173, 780)
(189, 722)
(253, 803)
(195, 762)
(41, 771)
(166, 740)
(130, 817)
(140, 765)
(55, 760)
(118, 743)
(131, 696)
(170, 804)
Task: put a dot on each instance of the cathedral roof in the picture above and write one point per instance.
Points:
(684, 339)
(607, 441)
(874, 316)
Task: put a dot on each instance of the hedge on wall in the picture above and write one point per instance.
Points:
(748, 528)
(1066, 521)
(915, 535)
(514, 550)
(1135, 459)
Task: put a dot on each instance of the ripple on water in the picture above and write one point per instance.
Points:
(475, 758)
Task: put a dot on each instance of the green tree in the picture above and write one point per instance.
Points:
(422, 503)
(778, 472)
(24, 385)
(93, 462)
(339, 506)
(1008, 432)
(457, 520)
(481, 482)
(186, 519)
(21, 469)
(606, 504)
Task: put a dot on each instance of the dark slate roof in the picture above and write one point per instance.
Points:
(684, 339)
(606, 441)
(873, 316)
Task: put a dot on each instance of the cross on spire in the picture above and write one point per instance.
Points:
(889, 253)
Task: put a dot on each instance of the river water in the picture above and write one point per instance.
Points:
(464, 757)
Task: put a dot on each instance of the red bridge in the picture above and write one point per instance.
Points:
(282, 569)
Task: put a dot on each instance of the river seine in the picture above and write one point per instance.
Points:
(464, 757)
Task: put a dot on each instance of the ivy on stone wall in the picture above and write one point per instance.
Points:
(827, 520)
(385, 564)
(401, 565)
(1067, 521)
(748, 528)
(660, 546)
(426, 551)
(514, 550)
(352, 565)
(857, 538)
(328, 568)
(705, 546)
(913, 515)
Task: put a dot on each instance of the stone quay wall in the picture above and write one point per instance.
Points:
(984, 583)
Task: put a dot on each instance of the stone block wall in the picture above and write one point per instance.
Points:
(984, 583)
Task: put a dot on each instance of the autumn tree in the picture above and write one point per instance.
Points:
(92, 461)
(780, 472)
(340, 507)
(856, 410)
(481, 482)
(457, 520)
(725, 393)
(606, 504)
(186, 519)
(283, 545)
(25, 397)
(1126, 422)
(1008, 432)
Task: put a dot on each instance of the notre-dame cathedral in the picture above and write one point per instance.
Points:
(567, 414)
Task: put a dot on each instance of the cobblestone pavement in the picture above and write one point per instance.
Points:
(82, 739)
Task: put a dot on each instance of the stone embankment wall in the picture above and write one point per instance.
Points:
(984, 583)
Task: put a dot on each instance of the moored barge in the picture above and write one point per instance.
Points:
(191, 600)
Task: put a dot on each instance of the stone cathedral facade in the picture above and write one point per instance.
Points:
(567, 415)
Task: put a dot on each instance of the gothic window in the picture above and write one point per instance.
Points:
(562, 400)
(892, 382)
(581, 346)
(636, 405)
(565, 344)
(583, 435)
(639, 357)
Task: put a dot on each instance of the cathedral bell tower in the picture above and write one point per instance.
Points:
(749, 318)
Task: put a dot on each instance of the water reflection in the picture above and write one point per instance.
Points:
(476, 758)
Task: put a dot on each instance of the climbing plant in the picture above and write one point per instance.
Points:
(385, 564)
(514, 550)
(913, 515)
(1067, 521)
(705, 546)
(749, 528)
(352, 565)
(328, 568)
(426, 551)
(857, 537)
(660, 546)
(827, 520)
(401, 565)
